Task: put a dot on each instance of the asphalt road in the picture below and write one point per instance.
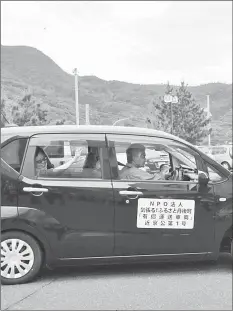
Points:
(195, 286)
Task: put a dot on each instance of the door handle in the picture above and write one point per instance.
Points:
(31, 189)
(129, 193)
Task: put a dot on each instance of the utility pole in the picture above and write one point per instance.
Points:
(172, 99)
(87, 115)
(171, 118)
(76, 95)
(208, 115)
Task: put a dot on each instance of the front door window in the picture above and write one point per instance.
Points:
(153, 159)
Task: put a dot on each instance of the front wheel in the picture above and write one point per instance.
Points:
(21, 258)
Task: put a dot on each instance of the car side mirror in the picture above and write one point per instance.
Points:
(203, 178)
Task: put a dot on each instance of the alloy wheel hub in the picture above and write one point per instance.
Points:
(17, 258)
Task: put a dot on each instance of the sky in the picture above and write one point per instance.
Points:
(145, 42)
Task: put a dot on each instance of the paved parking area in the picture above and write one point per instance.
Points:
(199, 286)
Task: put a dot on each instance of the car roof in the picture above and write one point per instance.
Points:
(27, 131)
(31, 130)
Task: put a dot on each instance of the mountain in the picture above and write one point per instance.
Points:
(25, 69)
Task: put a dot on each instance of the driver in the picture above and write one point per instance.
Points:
(41, 163)
(136, 158)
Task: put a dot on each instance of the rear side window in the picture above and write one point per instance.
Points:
(54, 156)
(13, 153)
(55, 149)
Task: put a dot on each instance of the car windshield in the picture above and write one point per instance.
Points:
(182, 156)
(230, 151)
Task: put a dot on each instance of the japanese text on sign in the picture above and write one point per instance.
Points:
(165, 213)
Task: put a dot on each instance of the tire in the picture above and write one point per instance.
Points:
(226, 165)
(27, 266)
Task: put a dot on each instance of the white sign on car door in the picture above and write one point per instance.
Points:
(165, 213)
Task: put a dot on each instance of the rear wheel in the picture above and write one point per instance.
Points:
(21, 258)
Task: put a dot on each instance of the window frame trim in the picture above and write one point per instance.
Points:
(201, 162)
(66, 178)
(11, 140)
(213, 182)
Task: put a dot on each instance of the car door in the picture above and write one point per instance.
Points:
(138, 204)
(74, 213)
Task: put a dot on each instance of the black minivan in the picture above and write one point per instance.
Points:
(73, 195)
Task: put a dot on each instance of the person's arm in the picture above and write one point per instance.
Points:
(140, 174)
(66, 165)
(191, 175)
(148, 176)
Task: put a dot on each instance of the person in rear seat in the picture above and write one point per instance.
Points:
(92, 167)
(43, 166)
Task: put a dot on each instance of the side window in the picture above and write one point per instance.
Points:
(13, 153)
(152, 158)
(214, 176)
(55, 149)
(65, 156)
(230, 151)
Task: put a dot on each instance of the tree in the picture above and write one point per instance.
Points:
(3, 113)
(154, 117)
(62, 122)
(29, 112)
(189, 119)
(158, 113)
